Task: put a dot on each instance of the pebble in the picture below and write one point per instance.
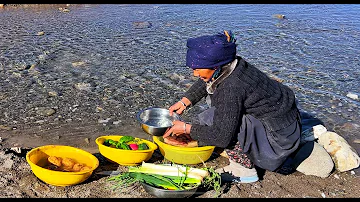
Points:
(5, 127)
(357, 141)
(352, 172)
(98, 109)
(52, 94)
(336, 176)
(87, 140)
(323, 195)
(104, 121)
(16, 149)
(40, 33)
(116, 122)
(44, 111)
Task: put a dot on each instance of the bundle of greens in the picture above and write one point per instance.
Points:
(168, 176)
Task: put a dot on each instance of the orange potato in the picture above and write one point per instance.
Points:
(68, 162)
(85, 168)
(55, 160)
(77, 167)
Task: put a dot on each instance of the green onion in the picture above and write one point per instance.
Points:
(174, 177)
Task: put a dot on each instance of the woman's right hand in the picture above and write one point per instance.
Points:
(179, 106)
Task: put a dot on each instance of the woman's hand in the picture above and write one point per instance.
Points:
(179, 106)
(177, 129)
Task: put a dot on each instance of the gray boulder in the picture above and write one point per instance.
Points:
(313, 159)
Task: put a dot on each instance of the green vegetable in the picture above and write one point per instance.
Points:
(158, 181)
(123, 146)
(166, 182)
(170, 170)
(143, 146)
(126, 139)
(110, 142)
(106, 143)
(174, 177)
(180, 180)
(127, 179)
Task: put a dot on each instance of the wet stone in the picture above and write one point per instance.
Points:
(40, 33)
(43, 111)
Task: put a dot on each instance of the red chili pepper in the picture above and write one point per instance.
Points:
(134, 146)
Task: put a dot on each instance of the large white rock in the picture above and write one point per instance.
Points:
(312, 159)
(319, 130)
(344, 156)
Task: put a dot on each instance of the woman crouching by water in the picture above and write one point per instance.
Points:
(253, 117)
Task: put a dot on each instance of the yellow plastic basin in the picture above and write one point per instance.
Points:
(37, 159)
(183, 155)
(125, 157)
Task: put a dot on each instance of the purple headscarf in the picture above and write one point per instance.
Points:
(209, 52)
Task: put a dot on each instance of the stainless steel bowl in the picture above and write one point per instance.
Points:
(155, 121)
(164, 193)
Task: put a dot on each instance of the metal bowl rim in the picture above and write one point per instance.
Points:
(189, 192)
(141, 111)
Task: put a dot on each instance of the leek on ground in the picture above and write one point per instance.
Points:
(175, 177)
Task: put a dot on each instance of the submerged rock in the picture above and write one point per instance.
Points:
(64, 10)
(40, 33)
(83, 86)
(77, 64)
(353, 95)
(142, 24)
(279, 16)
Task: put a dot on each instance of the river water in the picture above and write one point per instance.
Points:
(102, 62)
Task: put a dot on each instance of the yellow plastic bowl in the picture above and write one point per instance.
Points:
(37, 159)
(124, 157)
(183, 155)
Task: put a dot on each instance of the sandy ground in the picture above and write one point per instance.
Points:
(18, 181)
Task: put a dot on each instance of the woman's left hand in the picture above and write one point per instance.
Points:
(177, 129)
